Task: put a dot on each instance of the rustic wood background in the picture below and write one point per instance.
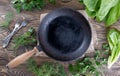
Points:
(7, 54)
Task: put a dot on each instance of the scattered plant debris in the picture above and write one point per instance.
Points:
(46, 69)
(28, 38)
(89, 66)
(30, 4)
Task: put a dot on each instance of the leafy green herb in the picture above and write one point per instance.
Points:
(113, 15)
(46, 69)
(83, 67)
(105, 7)
(113, 37)
(91, 14)
(8, 18)
(106, 48)
(91, 4)
(30, 4)
(52, 1)
(89, 66)
(81, 1)
(103, 10)
(28, 38)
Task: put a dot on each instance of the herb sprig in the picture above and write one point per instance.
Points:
(89, 66)
(46, 68)
(28, 38)
(30, 4)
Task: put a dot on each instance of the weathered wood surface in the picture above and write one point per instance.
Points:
(7, 54)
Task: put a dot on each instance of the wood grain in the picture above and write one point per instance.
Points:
(21, 58)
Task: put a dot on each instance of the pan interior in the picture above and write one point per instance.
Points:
(65, 34)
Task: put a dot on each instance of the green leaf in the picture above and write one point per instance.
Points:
(105, 7)
(119, 10)
(113, 15)
(113, 37)
(52, 1)
(18, 7)
(96, 73)
(98, 63)
(91, 4)
(92, 14)
(81, 1)
(23, 1)
(77, 74)
(14, 1)
(71, 68)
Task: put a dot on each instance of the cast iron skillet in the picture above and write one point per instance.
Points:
(64, 35)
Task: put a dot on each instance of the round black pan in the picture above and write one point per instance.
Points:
(64, 34)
